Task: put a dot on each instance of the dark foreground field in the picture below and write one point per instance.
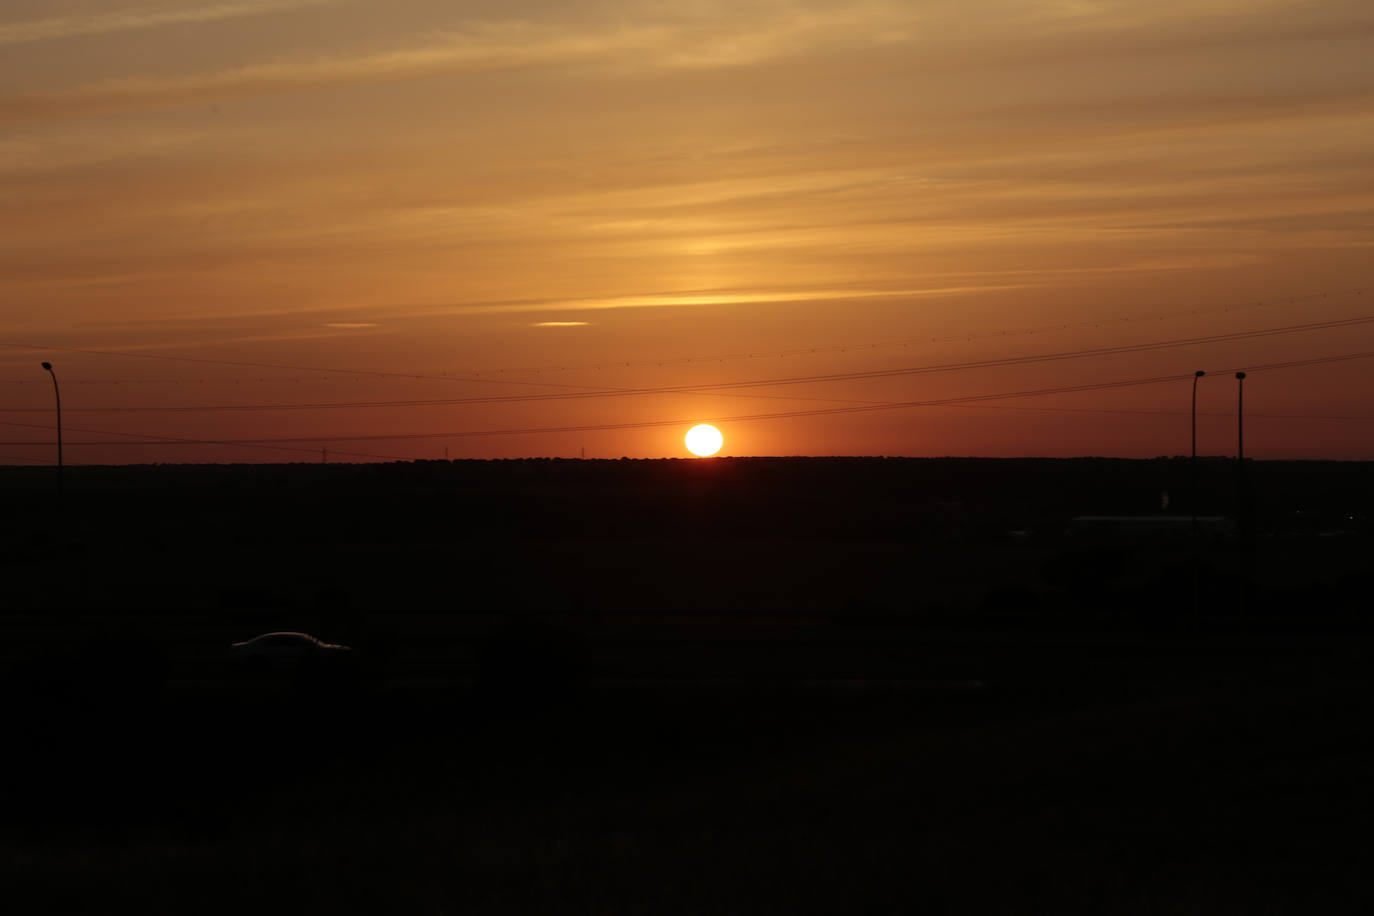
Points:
(763, 686)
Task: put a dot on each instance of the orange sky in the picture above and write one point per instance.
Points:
(470, 192)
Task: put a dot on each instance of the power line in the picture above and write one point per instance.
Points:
(1169, 413)
(964, 336)
(471, 375)
(832, 411)
(171, 381)
(1090, 410)
(764, 353)
(720, 387)
(595, 390)
(283, 366)
(175, 440)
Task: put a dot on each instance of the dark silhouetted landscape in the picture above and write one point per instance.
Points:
(773, 685)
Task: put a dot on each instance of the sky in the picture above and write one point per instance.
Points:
(217, 216)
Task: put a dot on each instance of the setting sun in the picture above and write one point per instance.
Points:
(703, 440)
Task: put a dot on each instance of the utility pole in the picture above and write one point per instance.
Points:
(1192, 467)
(1243, 497)
(1192, 497)
(1240, 416)
(58, 395)
(1242, 493)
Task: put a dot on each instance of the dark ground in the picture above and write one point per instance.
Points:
(724, 686)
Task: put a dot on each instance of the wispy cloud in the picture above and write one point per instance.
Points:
(702, 36)
(560, 324)
(12, 33)
(721, 298)
(350, 324)
(509, 47)
(650, 43)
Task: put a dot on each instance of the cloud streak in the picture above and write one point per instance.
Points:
(14, 33)
(937, 38)
(647, 43)
(715, 298)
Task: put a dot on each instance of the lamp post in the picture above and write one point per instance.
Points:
(58, 395)
(1192, 465)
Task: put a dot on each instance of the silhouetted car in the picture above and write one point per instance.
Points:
(285, 651)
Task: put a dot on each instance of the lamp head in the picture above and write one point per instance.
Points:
(47, 365)
(1199, 374)
(1240, 375)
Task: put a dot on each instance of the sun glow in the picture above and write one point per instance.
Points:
(703, 440)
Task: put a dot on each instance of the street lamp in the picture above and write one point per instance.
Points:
(58, 395)
(1192, 465)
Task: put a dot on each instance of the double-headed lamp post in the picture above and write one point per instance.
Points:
(58, 395)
